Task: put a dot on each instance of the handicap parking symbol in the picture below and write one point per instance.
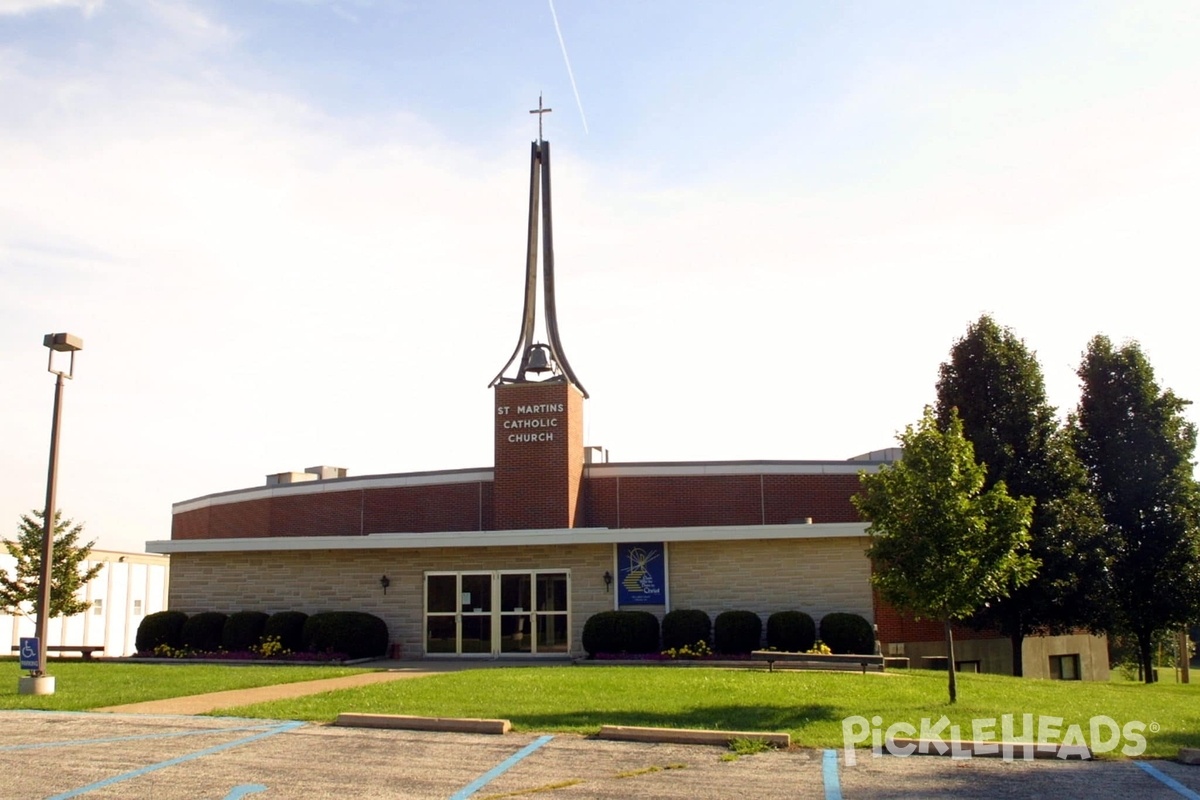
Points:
(29, 652)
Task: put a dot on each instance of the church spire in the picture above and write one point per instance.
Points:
(535, 357)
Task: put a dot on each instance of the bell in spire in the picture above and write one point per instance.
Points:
(538, 359)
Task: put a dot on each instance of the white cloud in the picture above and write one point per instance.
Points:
(185, 23)
(88, 7)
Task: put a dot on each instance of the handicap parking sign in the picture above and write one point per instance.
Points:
(29, 652)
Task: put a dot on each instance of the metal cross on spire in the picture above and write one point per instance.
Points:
(540, 111)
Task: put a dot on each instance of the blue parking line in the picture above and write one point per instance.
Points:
(829, 772)
(137, 773)
(498, 770)
(1167, 780)
(173, 735)
(238, 792)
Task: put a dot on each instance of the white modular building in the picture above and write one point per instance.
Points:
(128, 587)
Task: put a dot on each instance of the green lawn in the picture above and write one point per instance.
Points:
(82, 685)
(808, 705)
(1165, 675)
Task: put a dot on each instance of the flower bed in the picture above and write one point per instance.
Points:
(668, 658)
(267, 652)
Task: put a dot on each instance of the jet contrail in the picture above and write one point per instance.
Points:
(570, 74)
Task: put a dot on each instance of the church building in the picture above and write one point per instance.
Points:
(510, 560)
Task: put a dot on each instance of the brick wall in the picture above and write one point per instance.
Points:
(897, 626)
(693, 500)
(398, 509)
(552, 495)
(539, 455)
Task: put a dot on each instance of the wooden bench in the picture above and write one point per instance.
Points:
(771, 656)
(85, 650)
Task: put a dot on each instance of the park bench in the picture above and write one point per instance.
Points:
(85, 650)
(771, 656)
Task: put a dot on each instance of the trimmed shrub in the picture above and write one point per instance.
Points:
(685, 626)
(355, 633)
(621, 632)
(202, 632)
(737, 632)
(791, 631)
(161, 627)
(847, 633)
(288, 627)
(243, 630)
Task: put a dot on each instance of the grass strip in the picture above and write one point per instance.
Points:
(811, 706)
(84, 685)
(633, 773)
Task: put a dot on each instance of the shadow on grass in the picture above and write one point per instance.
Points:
(729, 718)
(1169, 742)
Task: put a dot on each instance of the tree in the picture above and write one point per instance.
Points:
(19, 594)
(1137, 448)
(940, 545)
(996, 385)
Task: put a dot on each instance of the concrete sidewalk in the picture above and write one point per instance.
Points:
(206, 703)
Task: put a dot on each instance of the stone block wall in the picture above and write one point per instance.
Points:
(812, 575)
(816, 576)
(348, 580)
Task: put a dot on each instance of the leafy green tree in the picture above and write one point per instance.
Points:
(1137, 447)
(942, 546)
(996, 385)
(19, 593)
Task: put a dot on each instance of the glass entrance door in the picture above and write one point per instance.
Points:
(516, 613)
(507, 612)
(476, 615)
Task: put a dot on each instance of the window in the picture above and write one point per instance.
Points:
(966, 666)
(1065, 667)
(98, 608)
(137, 607)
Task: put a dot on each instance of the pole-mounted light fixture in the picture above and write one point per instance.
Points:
(607, 581)
(384, 582)
(39, 682)
(62, 343)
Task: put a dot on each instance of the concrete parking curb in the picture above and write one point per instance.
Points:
(627, 733)
(410, 723)
(1189, 756)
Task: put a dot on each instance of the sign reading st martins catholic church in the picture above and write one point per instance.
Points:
(641, 574)
(533, 423)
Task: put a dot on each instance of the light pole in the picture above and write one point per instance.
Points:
(39, 682)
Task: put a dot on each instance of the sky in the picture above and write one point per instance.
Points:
(291, 232)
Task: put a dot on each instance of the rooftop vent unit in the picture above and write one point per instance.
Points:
(595, 455)
(281, 478)
(324, 473)
(318, 473)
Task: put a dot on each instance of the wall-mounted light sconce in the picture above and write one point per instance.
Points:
(384, 582)
(607, 581)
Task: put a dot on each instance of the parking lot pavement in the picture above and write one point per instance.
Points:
(936, 778)
(65, 755)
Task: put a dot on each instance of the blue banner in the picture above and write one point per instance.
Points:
(641, 574)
